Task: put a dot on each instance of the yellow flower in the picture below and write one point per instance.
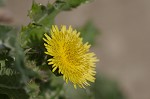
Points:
(70, 56)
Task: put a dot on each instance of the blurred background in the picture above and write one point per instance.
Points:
(123, 45)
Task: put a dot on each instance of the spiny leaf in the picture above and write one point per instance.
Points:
(37, 11)
(6, 61)
(20, 65)
(31, 38)
(75, 3)
(10, 81)
(42, 18)
(14, 62)
(33, 90)
(14, 93)
(10, 85)
(4, 51)
(12, 69)
(31, 35)
(42, 15)
(69, 4)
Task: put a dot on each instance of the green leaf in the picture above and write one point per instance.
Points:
(6, 61)
(33, 90)
(31, 35)
(37, 11)
(12, 56)
(42, 15)
(13, 93)
(69, 4)
(10, 81)
(4, 51)
(42, 19)
(20, 65)
(10, 85)
(31, 40)
(75, 3)
(13, 73)
(89, 32)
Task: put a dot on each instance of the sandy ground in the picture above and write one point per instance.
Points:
(123, 46)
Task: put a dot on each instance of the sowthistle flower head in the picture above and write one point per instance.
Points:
(70, 56)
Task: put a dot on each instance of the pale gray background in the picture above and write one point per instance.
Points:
(123, 46)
